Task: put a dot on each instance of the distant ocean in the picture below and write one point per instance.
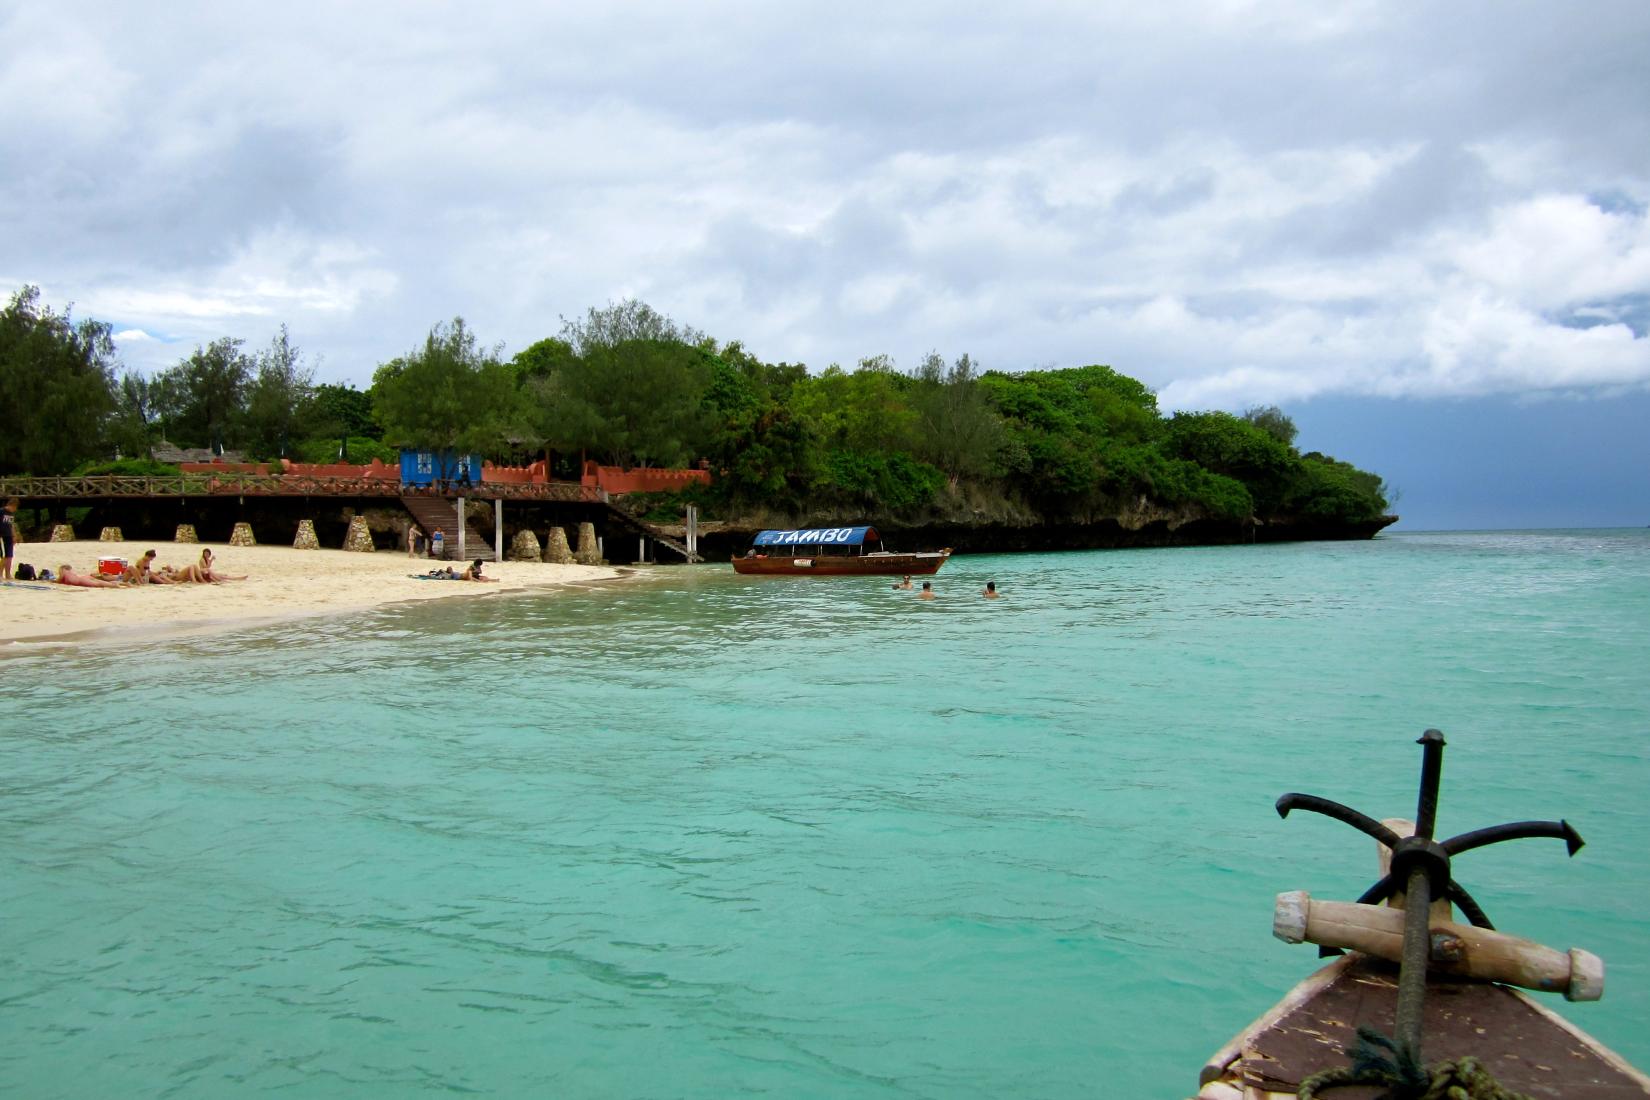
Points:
(705, 836)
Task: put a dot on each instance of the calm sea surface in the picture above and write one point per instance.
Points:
(703, 836)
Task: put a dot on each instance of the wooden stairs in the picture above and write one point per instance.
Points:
(433, 512)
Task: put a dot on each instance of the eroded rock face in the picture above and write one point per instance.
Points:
(62, 532)
(306, 539)
(525, 547)
(359, 536)
(588, 554)
(242, 535)
(111, 534)
(556, 550)
(186, 533)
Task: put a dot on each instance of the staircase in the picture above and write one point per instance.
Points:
(640, 526)
(433, 512)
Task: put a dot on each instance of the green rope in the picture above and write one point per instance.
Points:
(1377, 1061)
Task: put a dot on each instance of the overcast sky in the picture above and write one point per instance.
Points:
(1435, 213)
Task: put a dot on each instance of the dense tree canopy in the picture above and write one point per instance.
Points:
(625, 385)
(450, 394)
(56, 387)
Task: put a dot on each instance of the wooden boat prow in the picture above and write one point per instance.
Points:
(1527, 1047)
(1449, 1000)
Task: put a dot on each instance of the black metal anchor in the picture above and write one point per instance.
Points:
(1421, 868)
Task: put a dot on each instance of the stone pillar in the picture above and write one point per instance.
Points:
(186, 533)
(358, 538)
(556, 550)
(306, 539)
(525, 547)
(63, 532)
(588, 553)
(242, 535)
(110, 534)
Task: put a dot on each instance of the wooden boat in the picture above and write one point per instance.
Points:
(1442, 990)
(832, 552)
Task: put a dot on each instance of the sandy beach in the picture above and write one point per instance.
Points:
(281, 583)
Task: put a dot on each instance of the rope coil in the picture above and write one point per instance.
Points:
(1377, 1060)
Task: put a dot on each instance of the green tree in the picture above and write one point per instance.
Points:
(448, 395)
(1329, 490)
(278, 398)
(57, 386)
(202, 399)
(1229, 445)
(133, 428)
(1273, 421)
(625, 382)
(961, 431)
(762, 454)
(337, 411)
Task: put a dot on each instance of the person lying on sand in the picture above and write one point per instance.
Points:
(199, 573)
(473, 573)
(141, 572)
(70, 576)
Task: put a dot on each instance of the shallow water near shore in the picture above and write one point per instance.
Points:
(708, 836)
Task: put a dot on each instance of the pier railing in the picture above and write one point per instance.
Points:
(114, 486)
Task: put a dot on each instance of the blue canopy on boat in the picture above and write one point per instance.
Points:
(819, 536)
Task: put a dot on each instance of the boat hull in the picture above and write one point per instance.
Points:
(1528, 1048)
(842, 565)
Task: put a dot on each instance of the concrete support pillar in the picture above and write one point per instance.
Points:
(498, 529)
(462, 555)
(556, 550)
(358, 538)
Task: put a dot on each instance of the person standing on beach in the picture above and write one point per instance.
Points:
(8, 537)
(437, 544)
(412, 540)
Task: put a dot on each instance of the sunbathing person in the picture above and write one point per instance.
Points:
(473, 573)
(141, 573)
(69, 576)
(207, 571)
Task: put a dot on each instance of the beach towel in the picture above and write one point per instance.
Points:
(19, 584)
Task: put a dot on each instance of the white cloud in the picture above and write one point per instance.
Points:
(1238, 203)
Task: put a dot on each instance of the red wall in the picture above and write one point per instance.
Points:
(643, 479)
(374, 469)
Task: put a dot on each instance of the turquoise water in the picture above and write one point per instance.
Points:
(703, 836)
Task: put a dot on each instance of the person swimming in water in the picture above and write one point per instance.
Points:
(990, 590)
(927, 592)
(905, 584)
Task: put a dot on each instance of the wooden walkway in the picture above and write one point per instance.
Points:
(64, 490)
(55, 489)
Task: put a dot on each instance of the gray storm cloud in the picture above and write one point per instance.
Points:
(1234, 202)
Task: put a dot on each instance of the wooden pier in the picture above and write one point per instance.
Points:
(215, 485)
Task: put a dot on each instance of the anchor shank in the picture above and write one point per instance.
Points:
(1432, 771)
(1412, 972)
